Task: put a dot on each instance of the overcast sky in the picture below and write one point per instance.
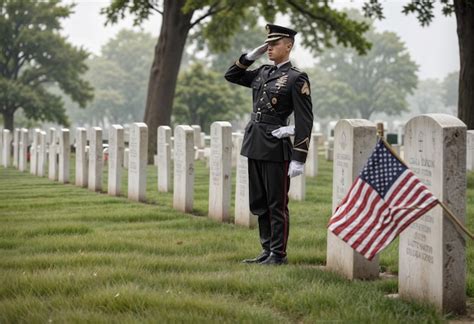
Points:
(434, 48)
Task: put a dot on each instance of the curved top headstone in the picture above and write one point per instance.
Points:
(443, 120)
(356, 122)
(432, 251)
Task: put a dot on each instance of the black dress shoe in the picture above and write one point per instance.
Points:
(261, 257)
(274, 259)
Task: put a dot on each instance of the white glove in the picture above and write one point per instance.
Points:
(285, 131)
(256, 52)
(296, 168)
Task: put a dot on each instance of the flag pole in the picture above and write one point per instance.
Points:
(453, 218)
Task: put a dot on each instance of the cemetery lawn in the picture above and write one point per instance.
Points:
(71, 255)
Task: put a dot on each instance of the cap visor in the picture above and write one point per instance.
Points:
(271, 39)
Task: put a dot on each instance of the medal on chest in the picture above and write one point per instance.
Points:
(281, 81)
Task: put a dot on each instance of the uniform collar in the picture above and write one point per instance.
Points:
(282, 63)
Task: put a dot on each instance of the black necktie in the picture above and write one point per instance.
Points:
(272, 69)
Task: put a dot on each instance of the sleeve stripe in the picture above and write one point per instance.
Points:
(301, 150)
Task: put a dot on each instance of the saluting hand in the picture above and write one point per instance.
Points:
(257, 52)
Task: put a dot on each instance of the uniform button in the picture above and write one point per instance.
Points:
(265, 85)
(258, 109)
(261, 99)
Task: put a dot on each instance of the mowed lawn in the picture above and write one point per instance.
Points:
(71, 255)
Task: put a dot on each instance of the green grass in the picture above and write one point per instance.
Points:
(71, 255)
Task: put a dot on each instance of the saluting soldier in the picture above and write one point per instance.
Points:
(278, 90)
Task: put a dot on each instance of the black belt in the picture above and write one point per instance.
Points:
(266, 119)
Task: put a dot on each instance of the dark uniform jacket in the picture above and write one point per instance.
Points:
(275, 97)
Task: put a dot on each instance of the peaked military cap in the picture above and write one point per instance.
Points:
(276, 32)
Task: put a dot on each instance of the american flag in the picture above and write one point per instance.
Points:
(384, 199)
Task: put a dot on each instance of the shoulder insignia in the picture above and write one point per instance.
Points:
(295, 68)
(305, 89)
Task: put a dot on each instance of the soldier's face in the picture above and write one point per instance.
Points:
(279, 50)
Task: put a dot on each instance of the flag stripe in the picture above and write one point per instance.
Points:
(383, 230)
(362, 218)
(379, 228)
(377, 217)
(359, 207)
(355, 192)
(418, 200)
(426, 200)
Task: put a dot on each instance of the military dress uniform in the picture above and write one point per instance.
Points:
(277, 93)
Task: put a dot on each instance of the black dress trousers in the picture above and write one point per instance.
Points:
(268, 192)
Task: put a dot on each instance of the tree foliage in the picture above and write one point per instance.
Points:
(428, 98)
(202, 98)
(217, 21)
(450, 89)
(463, 10)
(348, 85)
(34, 57)
(119, 76)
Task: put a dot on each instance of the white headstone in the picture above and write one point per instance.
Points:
(311, 165)
(197, 135)
(470, 150)
(42, 155)
(53, 155)
(203, 140)
(94, 181)
(330, 129)
(137, 161)
(243, 216)
(23, 152)
(354, 141)
(82, 160)
(298, 188)
(126, 152)
(316, 127)
(64, 155)
(116, 148)
(7, 139)
(164, 158)
(183, 182)
(330, 150)
(220, 173)
(235, 152)
(34, 151)
(432, 252)
(16, 146)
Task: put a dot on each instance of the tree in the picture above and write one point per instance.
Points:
(119, 76)
(202, 97)
(464, 12)
(108, 80)
(33, 57)
(217, 20)
(450, 89)
(348, 85)
(428, 97)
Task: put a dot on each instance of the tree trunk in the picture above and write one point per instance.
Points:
(165, 68)
(8, 120)
(465, 29)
